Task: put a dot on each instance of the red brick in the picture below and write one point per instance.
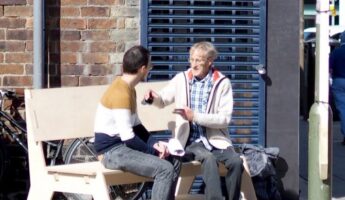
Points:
(108, 46)
(17, 81)
(101, 70)
(70, 11)
(72, 70)
(95, 35)
(120, 47)
(121, 23)
(1, 11)
(95, 12)
(11, 69)
(102, 2)
(12, 2)
(12, 46)
(71, 46)
(3, 46)
(1, 57)
(73, 23)
(21, 11)
(12, 23)
(29, 22)
(119, 2)
(29, 46)
(93, 80)
(101, 23)
(2, 34)
(29, 69)
(64, 58)
(69, 81)
(18, 58)
(70, 35)
(73, 2)
(95, 58)
(19, 34)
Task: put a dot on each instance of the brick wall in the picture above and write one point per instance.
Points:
(85, 41)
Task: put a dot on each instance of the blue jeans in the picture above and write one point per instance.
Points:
(126, 159)
(338, 91)
(209, 167)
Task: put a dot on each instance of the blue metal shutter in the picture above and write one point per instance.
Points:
(237, 28)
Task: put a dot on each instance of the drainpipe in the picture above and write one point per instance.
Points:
(38, 44)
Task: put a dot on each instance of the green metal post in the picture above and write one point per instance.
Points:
(320, 115)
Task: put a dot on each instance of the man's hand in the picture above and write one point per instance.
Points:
(162, 149)
(150, 96)
(185, 112)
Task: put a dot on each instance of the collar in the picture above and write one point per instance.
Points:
(214, 73)
(205, 79)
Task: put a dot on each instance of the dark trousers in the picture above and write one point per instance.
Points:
(210, 173)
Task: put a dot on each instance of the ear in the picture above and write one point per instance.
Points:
(142, 68)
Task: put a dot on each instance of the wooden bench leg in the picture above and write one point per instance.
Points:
(41, 192)
(183, 185)
(247, 187)
(101, 190)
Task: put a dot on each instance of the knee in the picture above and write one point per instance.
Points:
(209, 159)
(236, 164)
(167, 169)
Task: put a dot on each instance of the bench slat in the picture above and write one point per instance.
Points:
(113, 177)
(67, 113)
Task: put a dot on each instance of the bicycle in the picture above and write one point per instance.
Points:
(9, 130)
(79, 150)
(13, 131)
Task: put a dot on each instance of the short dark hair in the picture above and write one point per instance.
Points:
(134, 58)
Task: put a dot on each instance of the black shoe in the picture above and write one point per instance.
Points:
(343, 143)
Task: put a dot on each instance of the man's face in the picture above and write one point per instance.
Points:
(146, 71)
(199, 63)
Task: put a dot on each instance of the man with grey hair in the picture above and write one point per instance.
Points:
(337, 68)
(204, 103)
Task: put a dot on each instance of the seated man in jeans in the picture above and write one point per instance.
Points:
(203, 96)
(119, 133)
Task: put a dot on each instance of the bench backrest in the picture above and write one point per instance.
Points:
(66, 113)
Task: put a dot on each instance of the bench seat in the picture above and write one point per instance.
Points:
(68, 113)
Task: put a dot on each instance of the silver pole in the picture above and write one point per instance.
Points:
(38, 44)
(320, 116)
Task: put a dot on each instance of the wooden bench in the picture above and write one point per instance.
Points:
(68, 113)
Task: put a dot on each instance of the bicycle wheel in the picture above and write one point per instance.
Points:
(81, 150)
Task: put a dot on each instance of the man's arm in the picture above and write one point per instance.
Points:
(127, 134)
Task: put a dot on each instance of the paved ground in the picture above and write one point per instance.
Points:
(338, 183)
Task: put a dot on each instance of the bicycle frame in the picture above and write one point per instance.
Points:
(11, 127)
(10, 132)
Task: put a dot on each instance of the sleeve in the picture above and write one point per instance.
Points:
(222, 116)
(139, 145)
(167, 94)
(123, 122)
(128, 133)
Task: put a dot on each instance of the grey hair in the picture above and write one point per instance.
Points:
(208, 47)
